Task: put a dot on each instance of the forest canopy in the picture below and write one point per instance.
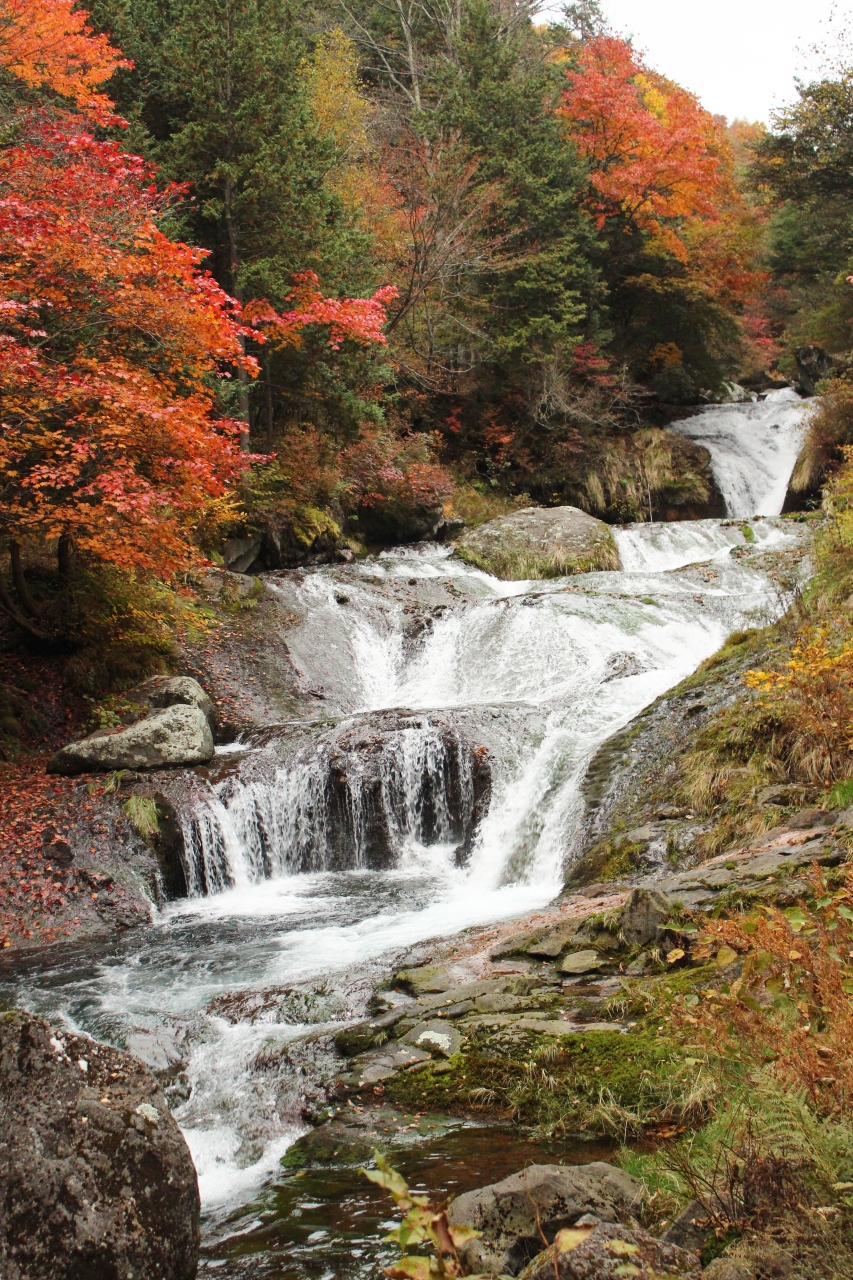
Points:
(329, 277)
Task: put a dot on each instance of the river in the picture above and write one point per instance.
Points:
(418, 662)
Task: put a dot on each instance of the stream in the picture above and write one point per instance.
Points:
(435, 786)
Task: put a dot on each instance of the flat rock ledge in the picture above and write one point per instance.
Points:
(96, 1179)
(175, 735)
(540, 542)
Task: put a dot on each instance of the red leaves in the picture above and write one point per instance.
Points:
(109, 337)
(36, 890)
(359, 319)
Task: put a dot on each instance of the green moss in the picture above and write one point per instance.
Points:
(598, 1081)
(514, 566)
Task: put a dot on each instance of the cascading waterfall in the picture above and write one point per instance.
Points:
(753, 449)
(356, 799)
(437, 786)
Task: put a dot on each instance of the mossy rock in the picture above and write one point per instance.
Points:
(540, 542)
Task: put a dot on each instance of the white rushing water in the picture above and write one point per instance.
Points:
(753, 449)
(538, 673)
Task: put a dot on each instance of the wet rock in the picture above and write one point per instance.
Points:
(352, 1136)
(239, 554)
(96, 1179)
(509, 1214)
(581, 962)
(166, 842)
(367, 1035)
(643, 915)
(385, 769)
(381, 1064)
(813, 365)
(178, 735)
(552, 944)
(609, 1251)
(540, 543)
(691, 1228)
(435, 1037)
(425, 979)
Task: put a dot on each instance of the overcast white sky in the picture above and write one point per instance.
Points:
(739, 56)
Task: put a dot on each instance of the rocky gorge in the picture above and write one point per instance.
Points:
(401, 830)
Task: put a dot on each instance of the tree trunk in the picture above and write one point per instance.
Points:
(21, 588)
(269, 406)
(63, 557)
(8, 607)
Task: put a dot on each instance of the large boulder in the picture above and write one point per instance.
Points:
(613, 1251)
(511, 1215)
(540, 542)
(172, 691)
(96, 1180)
(177, 735)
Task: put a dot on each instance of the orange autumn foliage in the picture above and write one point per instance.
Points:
(790, 1009)
(656, 154)
(112, 337)
(48, 44)
(360, 320)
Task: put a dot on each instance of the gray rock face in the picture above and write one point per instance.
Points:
(368, 799)
(435, 1037)
(541, 543)
(173, 691)
(239, 554)
(642, 916)
(581, 962)
(96, 1180)
(607, 1251)
(177, 735)
(505, 1212)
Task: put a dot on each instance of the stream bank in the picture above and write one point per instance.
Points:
(381, 679)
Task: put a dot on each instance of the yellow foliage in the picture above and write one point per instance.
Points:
(345, 112)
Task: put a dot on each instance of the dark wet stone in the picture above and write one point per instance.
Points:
(96, 1180)
(608, 1251)
(510, 1214)
(367, 1035)
(643, 915)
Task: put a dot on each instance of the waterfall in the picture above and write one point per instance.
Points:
(357, 798)
(467, 728)
(435, 785)
(753, 448)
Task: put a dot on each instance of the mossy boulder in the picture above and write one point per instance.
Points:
(539, 542)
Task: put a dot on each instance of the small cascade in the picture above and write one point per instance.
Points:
(753, 448)
(354, 799)
(659, 548)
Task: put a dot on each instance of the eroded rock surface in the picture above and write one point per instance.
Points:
(513, 1214)
(611, 1250)
(541, 542)
(96, 1180)
(175, 735)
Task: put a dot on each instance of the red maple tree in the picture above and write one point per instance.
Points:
(655, 153)
(112, 336)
